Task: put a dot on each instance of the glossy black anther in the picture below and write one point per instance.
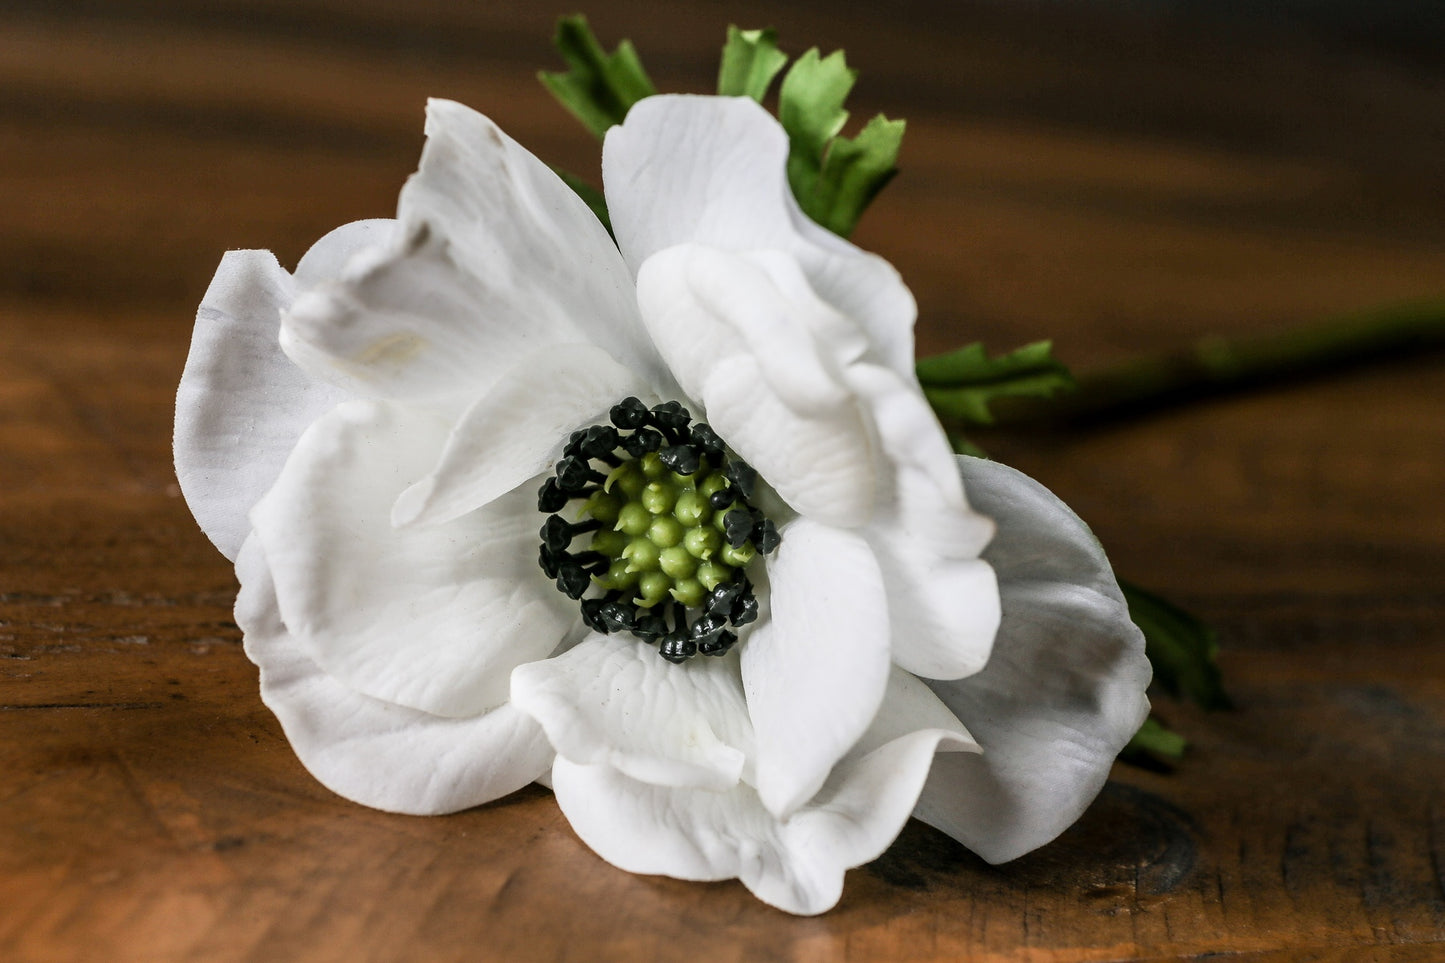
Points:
(722, 498)
(574, 474)
(572, 579)
(709, 441)
(629, 413)
(765, 536)
(718, 644)
(745, 609)
(707, 626)
(550, 560)
(737, 526)
(592, 615)
(599, 442)
(557, 533)
(683, 459)
(741, 474)
(677, 648)
(650, 626)
(670, 416)
(551, 498)
(722, 597)
(617, 616)
(642, 441)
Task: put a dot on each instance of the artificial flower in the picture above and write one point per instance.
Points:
(665, 521)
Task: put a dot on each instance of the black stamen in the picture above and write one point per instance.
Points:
(549, 560)
(745, 609)
(737, 526)
(573, 474)
(719, 645)
(742, 475)
(572, 579)
(708, 440)
(721, 598)
(722, 498)
(670, 415)
(642, 441)
(766, 537)
(683, 459)
(629, 413)
(557, 533)
(677, 648)
(551, 498)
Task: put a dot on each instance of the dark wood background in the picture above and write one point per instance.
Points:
(1118, 181)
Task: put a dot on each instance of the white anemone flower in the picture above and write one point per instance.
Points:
(367, 439)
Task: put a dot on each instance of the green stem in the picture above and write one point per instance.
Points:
(1216, 365)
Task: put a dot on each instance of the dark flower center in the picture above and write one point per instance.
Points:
(670, 530)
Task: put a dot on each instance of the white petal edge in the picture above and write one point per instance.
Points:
(328, 257)
(372, 752)
(816, 668)
(493, 258)
(796, 865)
(1063, 691)
(613, 700)
(943, 600)
(518, 429)
(713, 170)
(241, 403)
(431, 617)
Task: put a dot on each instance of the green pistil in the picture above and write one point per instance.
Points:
(670, 527)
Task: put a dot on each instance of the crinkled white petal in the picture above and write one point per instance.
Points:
(373, 752)
(943, 601)
(713, 170)
(493, 258)
(241, 404)
(613, 700)
(796, 864)
(741, 342)
(518, 429)
(815, 670)
(433, 617)
(328, 257)
(1063, 690)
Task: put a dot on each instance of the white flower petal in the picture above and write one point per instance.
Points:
(613, 700)
(815, 670)
(910, 706)
(518, 429)
(1063, 690)
(943, 601)
(493, 259)
(741, 343)
(713, 170)
(241, 404)
(431, 617)
(328, 257)
(372, 752)
(795, 864)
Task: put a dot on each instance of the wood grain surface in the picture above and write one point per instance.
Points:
(1120, 182)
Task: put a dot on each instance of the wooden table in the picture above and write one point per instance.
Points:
(1120, 183)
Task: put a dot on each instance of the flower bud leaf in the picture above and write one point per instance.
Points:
(750, 61)
(962, 384)
(1154, 746)
(833, 177)
(599, 88)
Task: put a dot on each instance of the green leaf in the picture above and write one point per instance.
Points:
(600, 87)
(1154, 742)
(960, 385)
(750, 61)
(1181, 648)
(590, 195)
(834, 178)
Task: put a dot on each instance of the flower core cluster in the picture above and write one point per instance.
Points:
(669, 522)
